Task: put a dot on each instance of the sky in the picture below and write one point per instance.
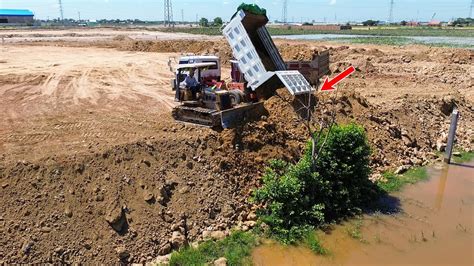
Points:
(329, 11)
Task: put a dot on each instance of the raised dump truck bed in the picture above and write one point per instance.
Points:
(258, 57)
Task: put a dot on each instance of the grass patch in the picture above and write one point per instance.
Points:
(236, 248)
(397, 182)
(354, 230)
(311, 241)
(396, 41)
(465, 157)
(373, 31)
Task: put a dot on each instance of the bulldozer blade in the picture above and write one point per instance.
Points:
(241, 114)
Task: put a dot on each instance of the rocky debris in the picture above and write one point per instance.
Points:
(220, 262)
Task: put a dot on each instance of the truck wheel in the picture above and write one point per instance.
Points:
(236, 97)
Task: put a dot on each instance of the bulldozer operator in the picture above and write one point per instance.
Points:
(191, 83)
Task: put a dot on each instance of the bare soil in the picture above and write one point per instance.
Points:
(94, 169)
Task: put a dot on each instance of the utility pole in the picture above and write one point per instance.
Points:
(182, 16)
(390, 16)
(168, 17)
(79, 15)
(285, 12)
(61, 10)
(470, 10)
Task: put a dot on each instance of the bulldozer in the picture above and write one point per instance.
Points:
(258, 70)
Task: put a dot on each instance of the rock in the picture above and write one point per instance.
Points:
(408, 141)
(206, 235)
(165, 249)
(440, 145)
(26, 248)
(220, 262)
(68, 212)
(146, 162)
(148, 196)
(79, 168)
(116, 218)
(402, 169)
(250, 224)
(252, 216)
(162, 260)
(122, 252)
(195, 244)
(177, 240)
(45, 229)
(184, 190)
(189, 165)
(265, 227)
(217, 235)
(457, 154)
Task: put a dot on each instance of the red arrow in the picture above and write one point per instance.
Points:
(328, 84)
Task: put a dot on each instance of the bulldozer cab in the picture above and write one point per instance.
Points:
(182, 70)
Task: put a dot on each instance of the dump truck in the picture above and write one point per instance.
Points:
(257, 72)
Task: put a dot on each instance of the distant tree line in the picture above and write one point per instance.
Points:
(217, 22)
(461, 22)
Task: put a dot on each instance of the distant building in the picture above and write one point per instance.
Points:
(16, 16)
(434, 23)
(413, 23)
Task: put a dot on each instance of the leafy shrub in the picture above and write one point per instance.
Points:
(303, 196)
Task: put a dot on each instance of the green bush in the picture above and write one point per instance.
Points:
(303, 196)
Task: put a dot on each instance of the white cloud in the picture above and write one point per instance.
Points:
(332, 2)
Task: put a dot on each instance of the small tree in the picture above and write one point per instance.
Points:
(403, 23)
(218, 21)
(370, 23)
(204, 22)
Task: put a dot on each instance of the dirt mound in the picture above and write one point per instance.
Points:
(126, 204)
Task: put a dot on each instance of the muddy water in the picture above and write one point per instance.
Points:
(434, 226)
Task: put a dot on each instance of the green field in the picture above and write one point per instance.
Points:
(397, 41)
(374, 31)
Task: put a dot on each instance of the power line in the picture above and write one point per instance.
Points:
(390, 16)
(168, 18)
(61, 9)
(285, 11)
